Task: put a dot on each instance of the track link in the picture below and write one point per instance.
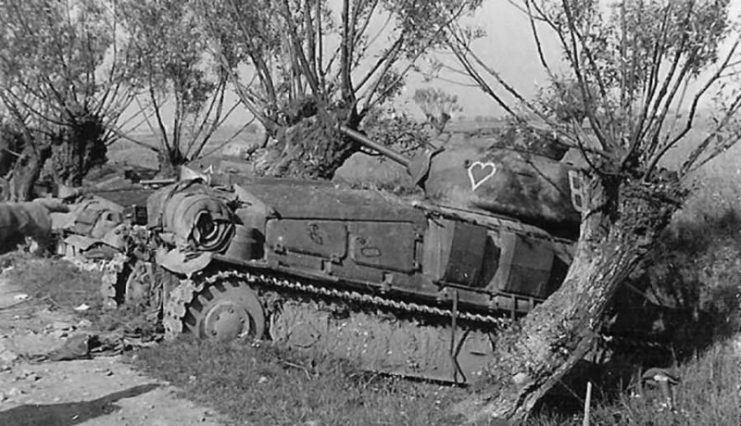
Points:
(180, 298)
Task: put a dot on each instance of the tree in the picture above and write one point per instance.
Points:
(644, 70)
(181, 89)
(62, 85)
(562, 102)
(437, 106)
(312, 66)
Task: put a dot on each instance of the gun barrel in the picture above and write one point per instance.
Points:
(364, 140)
(165, 181)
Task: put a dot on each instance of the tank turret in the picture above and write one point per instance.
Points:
(532, 188)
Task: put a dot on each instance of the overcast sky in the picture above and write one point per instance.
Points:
(508, 47)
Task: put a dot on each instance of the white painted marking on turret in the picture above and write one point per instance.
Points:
(480, 172)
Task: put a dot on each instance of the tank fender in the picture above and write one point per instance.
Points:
(183, 263)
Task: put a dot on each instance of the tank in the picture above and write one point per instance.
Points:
(416, 287)
(105, 229)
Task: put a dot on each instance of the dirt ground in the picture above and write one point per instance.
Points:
(98, 391)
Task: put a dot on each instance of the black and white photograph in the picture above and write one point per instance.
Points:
(370, 212)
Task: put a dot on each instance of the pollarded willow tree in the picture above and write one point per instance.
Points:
(647, 74)
(181, 89)
(63, 83)
(437, 106)
(302, 67)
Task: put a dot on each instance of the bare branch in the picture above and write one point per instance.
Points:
(693, 108)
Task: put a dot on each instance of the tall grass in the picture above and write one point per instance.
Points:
(707, 395)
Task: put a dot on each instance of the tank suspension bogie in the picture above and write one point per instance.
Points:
(226, 310)
(376, 333)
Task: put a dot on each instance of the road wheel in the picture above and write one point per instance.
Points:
(226, 310)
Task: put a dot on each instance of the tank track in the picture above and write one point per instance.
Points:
(176, 305)
(112, 270)
(180, 297)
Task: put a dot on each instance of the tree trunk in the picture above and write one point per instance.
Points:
(618, 227)
(312, 148)
(169, 161)
(25, 173)
(77, 147)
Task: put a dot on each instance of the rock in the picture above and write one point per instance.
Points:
(262, 380)
(8, 357)
(60, 325)
(31, 376)
(76, 347)
(3, 397)
(82, 308)
(520, 378)
(84, 323)
(59, 334)
(15, 392)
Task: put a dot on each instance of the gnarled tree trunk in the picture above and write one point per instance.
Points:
(621, 223)
(309, 147)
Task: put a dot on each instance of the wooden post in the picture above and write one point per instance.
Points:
(587, 402)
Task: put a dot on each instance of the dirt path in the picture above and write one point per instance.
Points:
(100, 391)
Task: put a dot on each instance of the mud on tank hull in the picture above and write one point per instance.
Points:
(396, 286)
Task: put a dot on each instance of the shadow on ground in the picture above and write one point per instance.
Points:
(70, 413)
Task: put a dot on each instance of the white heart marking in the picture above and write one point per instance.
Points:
(476, 178)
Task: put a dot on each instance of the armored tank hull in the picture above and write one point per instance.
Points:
(398, 286)
(103, 230)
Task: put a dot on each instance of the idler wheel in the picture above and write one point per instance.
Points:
(226, 311)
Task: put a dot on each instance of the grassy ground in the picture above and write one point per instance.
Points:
(271, 386)
(63, 286)
(263, 384)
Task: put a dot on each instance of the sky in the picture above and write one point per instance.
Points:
(507, 47)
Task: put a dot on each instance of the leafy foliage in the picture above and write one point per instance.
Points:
(281, 53)
(77, 149)
(174, 72)
(63, 75)
(638, 71)
(396, 129)
(437, 106)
